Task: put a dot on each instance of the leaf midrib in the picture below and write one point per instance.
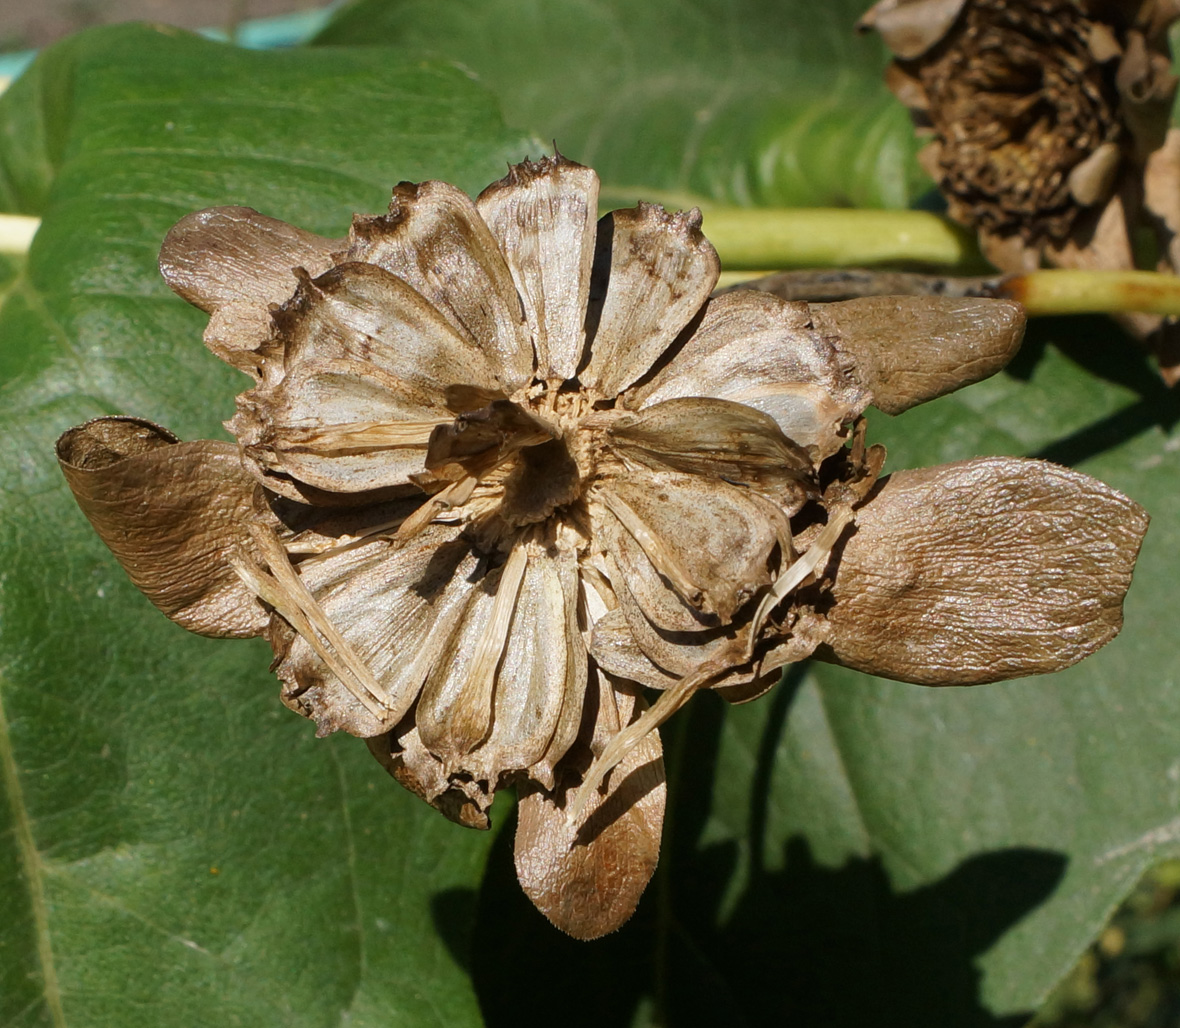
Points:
(31, 865)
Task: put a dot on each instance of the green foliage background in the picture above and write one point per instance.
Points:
(177, 849)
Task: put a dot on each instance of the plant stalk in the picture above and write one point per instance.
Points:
(1094, 292)
(749, 237)
(1045, 292)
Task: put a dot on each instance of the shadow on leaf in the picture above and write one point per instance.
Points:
(809, 945)
(804, 944)
(1100, 347)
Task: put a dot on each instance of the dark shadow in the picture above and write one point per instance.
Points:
(832, 947)
(526, 972)
(599, 279)
(1101, 347)
(1108, 432)
(804, 945)
(781, 698)
(1104, 350)
(453, 913)
(932, 200)
(1030, 354)
(1095, 343)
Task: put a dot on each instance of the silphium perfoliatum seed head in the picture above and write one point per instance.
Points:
(504, 467)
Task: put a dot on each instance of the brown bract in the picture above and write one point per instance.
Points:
(1047, 123)
(504, 465)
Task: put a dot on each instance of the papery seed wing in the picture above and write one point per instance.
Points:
(756, 349)
(982, 570)
(543, 217)
(909, 349)
(173, 514)
(397, 606)
(434, 239)
(543, 668)
(709, 540)
(234, 262)
(720, 439)
(653, 272)
(587, 879)
(340, 426)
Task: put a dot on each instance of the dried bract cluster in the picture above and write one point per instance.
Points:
(504, 466)
(1048, 123)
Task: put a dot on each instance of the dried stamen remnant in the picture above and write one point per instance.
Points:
(475, 514)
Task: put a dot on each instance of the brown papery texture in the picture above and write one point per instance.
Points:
(910, 349)
(981, 571)
(172, 513)
(500, 466)
(592, 888)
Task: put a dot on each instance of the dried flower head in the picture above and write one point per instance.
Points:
(504, 465)
(1043, 117)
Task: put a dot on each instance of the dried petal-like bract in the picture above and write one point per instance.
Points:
(908, 349)
(173, 513)
(983, 570)
(502, 466)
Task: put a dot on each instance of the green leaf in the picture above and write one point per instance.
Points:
(681, 101)
(175, 847)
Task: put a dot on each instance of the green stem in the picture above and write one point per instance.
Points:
(750, 237)
(1044, 292)
(1094, 292)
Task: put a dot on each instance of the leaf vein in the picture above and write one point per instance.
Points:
(838, 751)
(33, 872)
(354, 889)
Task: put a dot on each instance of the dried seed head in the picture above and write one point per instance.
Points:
(502, 466)
(1018, 106)
(1038, 112)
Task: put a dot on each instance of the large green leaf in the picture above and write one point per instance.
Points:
(686, 101)
(176, 848)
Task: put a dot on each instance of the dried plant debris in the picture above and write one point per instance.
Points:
(1048, 128)
(504, 467)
